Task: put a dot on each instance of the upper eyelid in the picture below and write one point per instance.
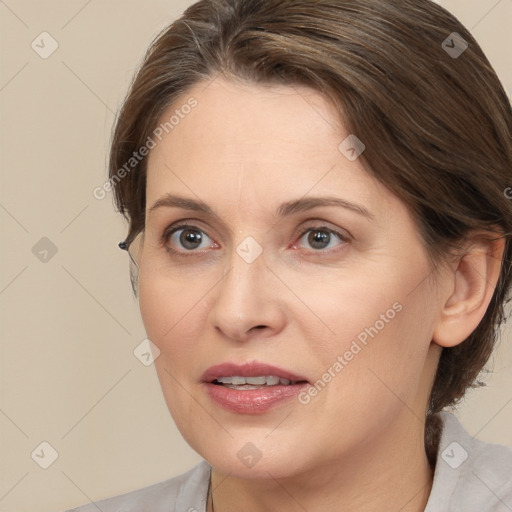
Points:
(186, 223)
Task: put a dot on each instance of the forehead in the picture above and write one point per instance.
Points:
(236, 118)
(242, 143)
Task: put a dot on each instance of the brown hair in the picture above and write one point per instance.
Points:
(437, 126)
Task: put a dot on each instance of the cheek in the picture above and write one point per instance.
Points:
(154, 308)
(370, 371)
(169, 307)
(170, 312)
(376, 328)
(174, 313)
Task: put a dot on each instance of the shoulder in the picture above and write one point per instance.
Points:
(470, 475)
(185, 492)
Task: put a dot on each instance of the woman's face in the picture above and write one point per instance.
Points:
(337, 296)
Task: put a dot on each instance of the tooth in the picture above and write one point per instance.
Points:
(245, 387)
(224, 380)
(258, 381)
(269, 380)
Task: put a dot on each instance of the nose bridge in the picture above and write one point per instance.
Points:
(247, 267)
(245, 298)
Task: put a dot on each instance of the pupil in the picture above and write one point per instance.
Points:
(319, 237)
(190, 237)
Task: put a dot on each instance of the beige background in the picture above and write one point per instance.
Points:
(69, 325)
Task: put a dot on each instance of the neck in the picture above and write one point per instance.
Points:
(390, 473)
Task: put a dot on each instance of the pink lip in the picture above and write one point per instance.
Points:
(251, 401)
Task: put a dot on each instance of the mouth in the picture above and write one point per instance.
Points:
(251, 388)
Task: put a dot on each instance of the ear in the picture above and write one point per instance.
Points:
(472, 280)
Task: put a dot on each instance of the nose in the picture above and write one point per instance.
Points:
(248, 301)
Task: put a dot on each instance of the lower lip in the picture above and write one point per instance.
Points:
(253, 401)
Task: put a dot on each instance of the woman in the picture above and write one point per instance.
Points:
(320, 232)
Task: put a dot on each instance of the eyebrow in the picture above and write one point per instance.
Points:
(285, 209)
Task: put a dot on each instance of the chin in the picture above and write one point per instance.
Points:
(250, 456)
(276, 467)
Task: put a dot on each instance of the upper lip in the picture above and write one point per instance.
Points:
(252, 369)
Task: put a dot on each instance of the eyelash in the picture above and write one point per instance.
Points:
(168, 232)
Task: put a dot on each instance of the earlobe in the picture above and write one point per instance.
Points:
(473, 279)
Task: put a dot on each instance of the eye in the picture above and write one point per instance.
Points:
(186, 237)
(321, 237)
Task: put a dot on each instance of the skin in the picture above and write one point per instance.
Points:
(358, 444)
